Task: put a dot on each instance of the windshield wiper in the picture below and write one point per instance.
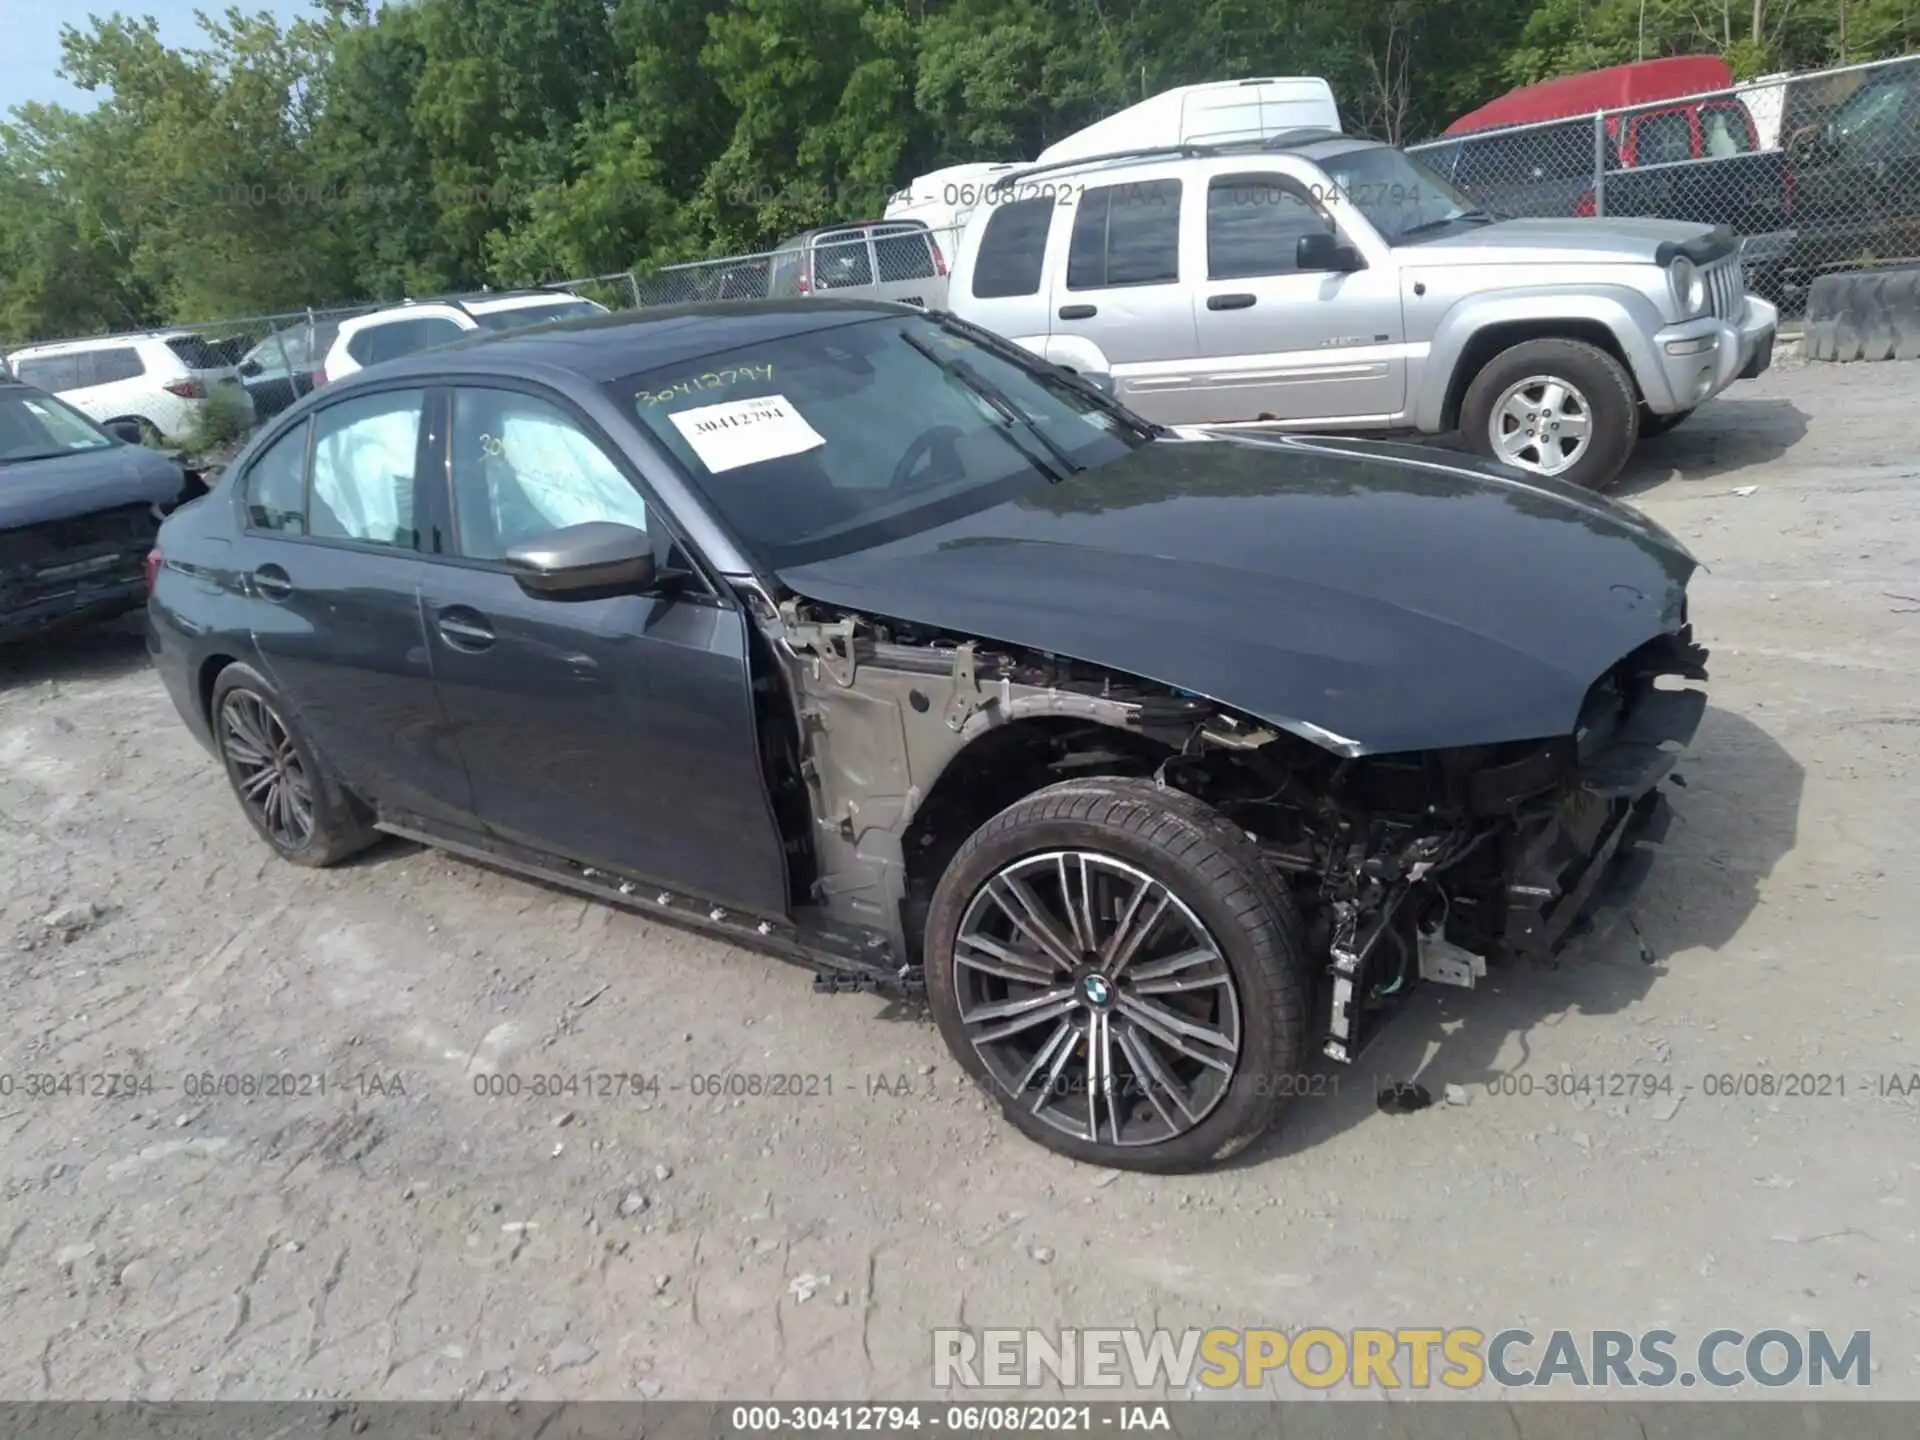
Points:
(1480, 217)
(1064, 463)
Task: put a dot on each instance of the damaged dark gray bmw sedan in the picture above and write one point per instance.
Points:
(1163, 764)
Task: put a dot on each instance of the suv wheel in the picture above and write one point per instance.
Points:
(1562, 408)
(1114, 963)
(285, 793)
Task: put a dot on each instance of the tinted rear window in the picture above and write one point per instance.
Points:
(524, 315)
(1126, 235)
(1013, 250)
(195, 353)
(903, 254)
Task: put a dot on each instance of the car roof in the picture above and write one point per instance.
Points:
(97, 342)
(601, 348)
(1311, 142)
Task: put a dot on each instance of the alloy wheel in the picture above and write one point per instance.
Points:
(1542, 424)
(1096, 998)
(267, 771)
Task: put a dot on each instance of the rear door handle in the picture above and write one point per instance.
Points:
(465, 629)
(1078, 312)
(272, 582)
(1230, 302)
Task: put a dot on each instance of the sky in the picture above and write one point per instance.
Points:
(30, 38)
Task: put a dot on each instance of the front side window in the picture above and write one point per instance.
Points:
(1013, 250)
(1126, 234)
(39, 427)
(523, 468)
(822, 443)
(276, 492)
(1254, 225)
(365, 452)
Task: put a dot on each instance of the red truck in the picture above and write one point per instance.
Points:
(1678, 145)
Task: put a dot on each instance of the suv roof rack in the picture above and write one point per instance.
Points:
(1191, 150)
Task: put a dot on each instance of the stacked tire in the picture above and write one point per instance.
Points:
(1864, 315)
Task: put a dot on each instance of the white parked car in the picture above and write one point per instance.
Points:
(421, 324)
(159, 382)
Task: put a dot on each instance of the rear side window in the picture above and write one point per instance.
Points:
(903, 254)
(1013, 250)
(394, 338)
(1254, 225)
(365, 452)
(1725, 130)
(1126, 235)
(277, 485)
(108, 367)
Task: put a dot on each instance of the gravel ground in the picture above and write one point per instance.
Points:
(403, 1235)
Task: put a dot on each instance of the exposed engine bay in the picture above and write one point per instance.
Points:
(887, 744)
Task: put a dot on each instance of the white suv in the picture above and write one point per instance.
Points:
(159, 382)
(421, 324)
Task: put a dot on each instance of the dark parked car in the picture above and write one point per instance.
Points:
(1156, 761)
(79, 509)
(286, 365)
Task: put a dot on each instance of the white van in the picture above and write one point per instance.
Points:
(942, 199)
(1218, 113)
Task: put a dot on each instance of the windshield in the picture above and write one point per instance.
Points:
(824, 443)
(38, 427)
(288, 350)
(1400, 197)
(521, 315)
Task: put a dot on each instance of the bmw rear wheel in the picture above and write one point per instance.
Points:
(1115, 965)
(294, 805)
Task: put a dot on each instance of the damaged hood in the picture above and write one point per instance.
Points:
(60, 487)
(1369, 596)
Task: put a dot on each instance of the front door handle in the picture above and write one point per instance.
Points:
(465, 629)
(1230, 302)
(1078, 312)
(272, 583)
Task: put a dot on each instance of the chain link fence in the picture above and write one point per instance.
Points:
(1815, 172)
(900, 260)
(204, 388)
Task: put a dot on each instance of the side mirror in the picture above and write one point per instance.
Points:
(1320, 250)
(584, 562)
(251, 369)
(127, 432)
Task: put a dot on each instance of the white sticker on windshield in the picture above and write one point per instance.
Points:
(745, 432)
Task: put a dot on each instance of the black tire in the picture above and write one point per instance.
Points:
(337, 827)
(1217, 877)
(1608, 389)
(1652, 424)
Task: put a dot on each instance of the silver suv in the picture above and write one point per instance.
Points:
(1322, 282)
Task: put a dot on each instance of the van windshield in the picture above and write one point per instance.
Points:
(1401, 198)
